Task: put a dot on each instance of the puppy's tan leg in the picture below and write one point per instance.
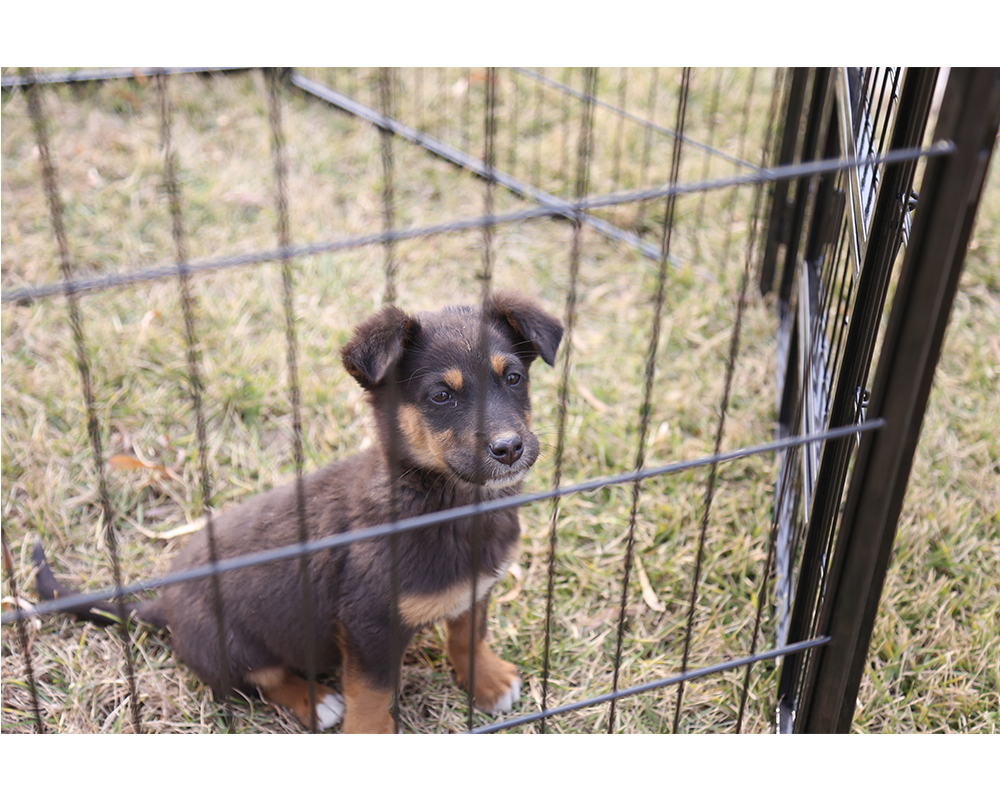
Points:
(284, 688)
(367, 706)
(496, 683)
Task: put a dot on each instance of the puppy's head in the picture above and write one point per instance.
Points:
(453, 385)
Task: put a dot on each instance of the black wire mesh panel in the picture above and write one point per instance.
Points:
(841, 282)
(621, 593)
(831, 305)
(922, 300)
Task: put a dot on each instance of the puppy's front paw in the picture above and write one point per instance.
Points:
(505, 702)
(329, 710)
(497, 684)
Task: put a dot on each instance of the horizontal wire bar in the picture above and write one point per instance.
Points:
(647, 123)
(657, 684)
(99, 75)
(427, 520)
(559, 208)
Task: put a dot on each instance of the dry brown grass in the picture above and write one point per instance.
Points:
(935, 649)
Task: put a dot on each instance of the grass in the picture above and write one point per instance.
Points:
(934, 655)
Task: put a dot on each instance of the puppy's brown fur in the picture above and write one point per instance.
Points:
(430, 369)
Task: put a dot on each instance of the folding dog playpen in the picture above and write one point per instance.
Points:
(688, 564)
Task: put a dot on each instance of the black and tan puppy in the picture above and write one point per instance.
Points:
(429, 367)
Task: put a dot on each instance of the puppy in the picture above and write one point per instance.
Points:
(439, 446)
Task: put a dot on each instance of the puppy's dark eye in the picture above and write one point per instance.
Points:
(441, 397)
(513, 378)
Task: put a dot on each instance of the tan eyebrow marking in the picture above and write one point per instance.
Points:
(499, 363)
(453, 378)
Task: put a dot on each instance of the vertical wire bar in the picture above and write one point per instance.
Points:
(482, 372)
(616, 170)
(388, 183)
(443, 117)
(790, 463)
(787, 465)
(194, 376)
(817, 125)
(741, 152)
(893, 99)
(785, 691)
(863, 102)
(50, 179)
(734, 347)
(889, 73)
(273, 77)
(751, 244)
(842, 306)
(712, 112)
(872, 184)
(792, 102)
(584, 157)
(890, 105)
(828, 277)
(564, 148)
(813, 345)
(489, 186)
(467, 110)
(387, 99)
(515, 108)
(418, 99)
(22, 634)
(878, 108)
(640, 214)
(540, 120)
(654, 342)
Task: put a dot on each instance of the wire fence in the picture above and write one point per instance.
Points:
(837, 162)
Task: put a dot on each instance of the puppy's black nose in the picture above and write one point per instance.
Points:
(507, 449)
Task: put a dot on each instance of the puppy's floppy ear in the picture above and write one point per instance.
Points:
(377, 344)
(536, 333)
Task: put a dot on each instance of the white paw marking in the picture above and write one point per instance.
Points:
(506, 701)
(329, 711)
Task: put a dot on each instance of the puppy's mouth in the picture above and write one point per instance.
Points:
(506, 480)
(494, 475)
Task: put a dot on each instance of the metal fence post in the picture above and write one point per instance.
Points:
(970, 115)
(877, 255)
(777, 229)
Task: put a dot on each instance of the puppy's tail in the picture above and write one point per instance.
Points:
(101, 612)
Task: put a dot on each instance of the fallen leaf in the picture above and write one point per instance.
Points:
(126, 462)
(10, 603)
(131, 462)
(181, 530)
(147, 320)
(647, 590)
